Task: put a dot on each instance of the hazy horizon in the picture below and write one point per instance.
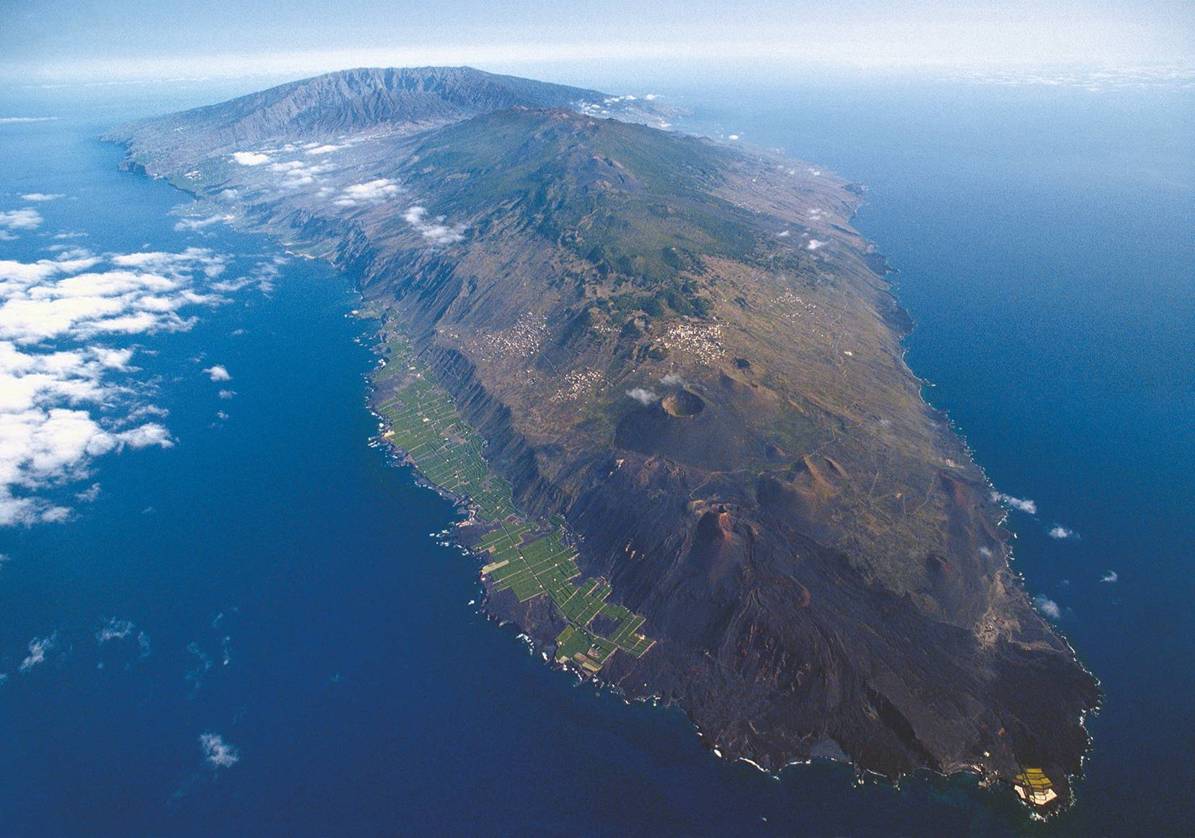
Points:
(54, 42)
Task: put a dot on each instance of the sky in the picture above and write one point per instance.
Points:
(48, 41)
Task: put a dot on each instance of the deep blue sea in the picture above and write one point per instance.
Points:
(255, 631)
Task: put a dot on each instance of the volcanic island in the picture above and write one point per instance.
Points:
(663, 377)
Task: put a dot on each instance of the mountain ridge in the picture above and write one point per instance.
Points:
(330, 105)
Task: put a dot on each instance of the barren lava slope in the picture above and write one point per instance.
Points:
(685, 350)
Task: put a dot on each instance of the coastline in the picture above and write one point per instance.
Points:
(949, 432)
(1001, 516)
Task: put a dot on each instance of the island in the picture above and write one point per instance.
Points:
(663, 376)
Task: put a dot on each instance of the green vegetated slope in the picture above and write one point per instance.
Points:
(529, 557)
(641, 207)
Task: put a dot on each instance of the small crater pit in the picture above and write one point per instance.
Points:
(682, 403)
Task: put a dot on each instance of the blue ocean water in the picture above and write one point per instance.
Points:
(295, 604)
(1045, 242)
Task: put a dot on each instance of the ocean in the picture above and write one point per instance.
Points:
(255, 625)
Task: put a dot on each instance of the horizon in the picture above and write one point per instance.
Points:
(49, 42)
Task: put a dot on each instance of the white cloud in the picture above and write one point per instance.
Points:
(324, 149)
(14, 274)
(144, 410)
(138, 292)
(114, 629)
(203, 665)
(1020, 504)
(814, 244)
(217, 752)
(369, 192)
(1047, 607)
(265, 274)
(296, 173)
(116, 359)
(88, 495)
(642, 395)
(672, 379)
(1110, 576)
(41, 448)
(229, 285)
(435, 231)
(60, 408)
(39, 647)
(194, 224)
(71, 252)
(20, 219)
(217, 372)
(1060, 532)
(144, 436)
(21, 120)
(41, 197)
(250, 158)
(227, 394)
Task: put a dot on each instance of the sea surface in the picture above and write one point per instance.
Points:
(252, 626)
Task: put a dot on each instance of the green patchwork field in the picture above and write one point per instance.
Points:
(528, 557)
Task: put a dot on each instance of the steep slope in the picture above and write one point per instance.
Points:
(684, 350)
(335, 104)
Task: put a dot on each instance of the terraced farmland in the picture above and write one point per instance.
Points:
(528, 557)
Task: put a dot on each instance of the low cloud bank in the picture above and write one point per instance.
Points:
(65, 394)
(114, 629)
(39, 648)
(435, 231)
(216, 752)
(250, 158)
(370, 192)
(23, 220)
(218, 372)
(296, 173)
(1047, 607)
(1025, 505)
(196, 224)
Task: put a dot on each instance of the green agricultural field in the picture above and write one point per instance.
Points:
(530, 558)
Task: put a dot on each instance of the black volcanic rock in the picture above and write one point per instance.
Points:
(685, 350)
